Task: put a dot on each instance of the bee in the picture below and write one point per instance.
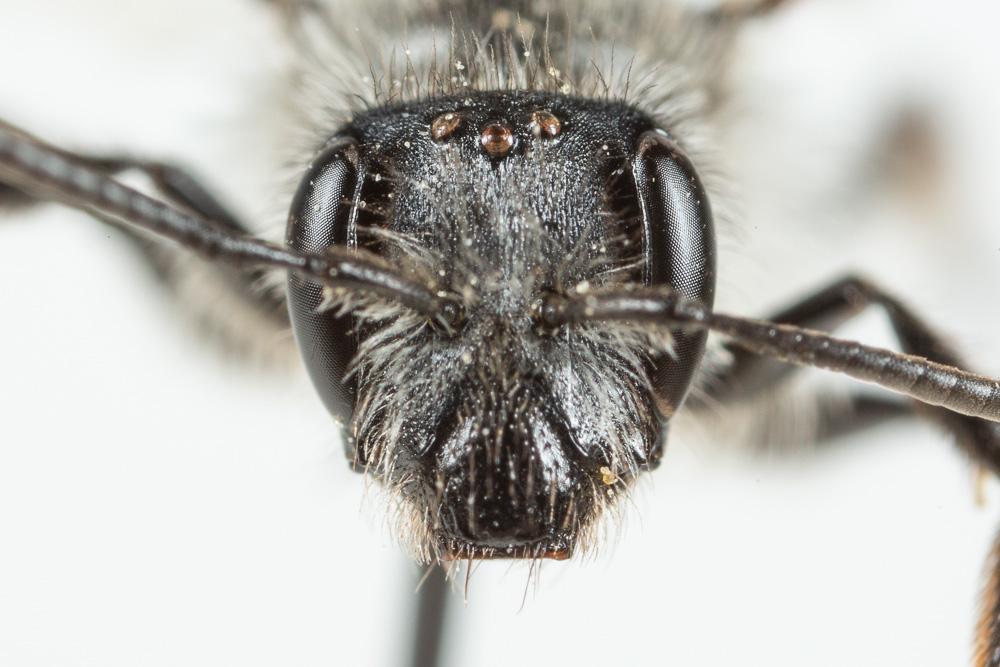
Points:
(501, 263)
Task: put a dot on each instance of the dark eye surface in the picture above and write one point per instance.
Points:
(679, 250)
(322, 215)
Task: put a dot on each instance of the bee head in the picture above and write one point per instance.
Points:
(500, 437)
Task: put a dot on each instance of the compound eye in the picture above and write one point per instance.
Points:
(679, 249)
(320, 217)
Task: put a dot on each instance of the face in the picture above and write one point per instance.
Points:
(500, 437)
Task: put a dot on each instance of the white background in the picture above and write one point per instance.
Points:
(161, 505)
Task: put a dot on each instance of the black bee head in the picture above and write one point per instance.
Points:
(502, 438)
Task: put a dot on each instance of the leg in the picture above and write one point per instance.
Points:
(175, 184)
(431, 621)
(751, 374)
(789, 420)
(860, 414)
(234, 305)
(987, 644)
(11, 197)
(241, 307)
(831, 307)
